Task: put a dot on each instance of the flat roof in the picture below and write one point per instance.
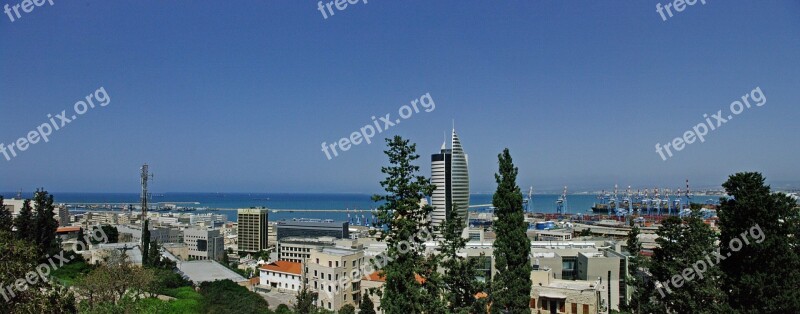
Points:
(203, 271)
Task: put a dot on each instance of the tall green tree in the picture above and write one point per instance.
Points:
(681, 244)
(405, 227)
(366, 306)
(146, 241)
(460, 275)
(45, 222)
(763, 276)
(511, 286)
(6, 218)
(636, 280)
(24, 222)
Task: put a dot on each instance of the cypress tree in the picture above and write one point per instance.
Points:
(511, 287)
(145, 242)
(763, 275)
(460, 273)
(366, 307)
(6, 218)
(25, 224)
(636, 280)
(406, 227)
(45, 223)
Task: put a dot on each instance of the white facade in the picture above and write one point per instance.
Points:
(450, 174)
(281, 275)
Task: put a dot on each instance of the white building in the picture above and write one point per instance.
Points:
(282, 275)
(450, 174)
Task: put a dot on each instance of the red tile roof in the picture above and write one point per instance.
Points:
(283, 267)
(378, 276)
(67, 229)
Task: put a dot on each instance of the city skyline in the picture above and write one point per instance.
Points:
(556, 84)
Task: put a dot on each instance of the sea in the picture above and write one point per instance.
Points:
(228, 203)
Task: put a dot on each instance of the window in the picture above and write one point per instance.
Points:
(330, 264)
(586, 308)
(574, 307)
(337, 263)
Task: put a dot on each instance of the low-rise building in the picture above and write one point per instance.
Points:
(550, 295)
(282, 275)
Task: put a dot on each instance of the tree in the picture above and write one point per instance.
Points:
(347, 309)
(366, 307)
(115, 280)
(225, 296)
(6, 218)
(145, 241)
(460, 273)
(762, 276)
(681, 244)
(305, 302)
(283, 309)
(511, 287)
(44, 223)
(111, 232)
(641, 292)
(18, 258)
(81, 241)
(25, 223)
(405, 222)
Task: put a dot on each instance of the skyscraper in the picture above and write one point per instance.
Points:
(252, 229)
(450, 175)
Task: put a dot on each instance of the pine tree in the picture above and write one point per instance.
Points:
(763, 276)
(511, 287)
(681, 244)
(460, 273)
(406, 228)
(25, 223)
(366, 307)
(45, 223)
(6, 218)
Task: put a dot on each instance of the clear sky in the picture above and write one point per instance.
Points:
(224, 96)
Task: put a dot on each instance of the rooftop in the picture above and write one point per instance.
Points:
(203, 271)
(283, 267)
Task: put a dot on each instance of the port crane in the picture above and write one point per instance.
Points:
(561, 203)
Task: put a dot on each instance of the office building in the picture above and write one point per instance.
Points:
(252, 230)
(297, 250)
(204, 244)
(450, 174)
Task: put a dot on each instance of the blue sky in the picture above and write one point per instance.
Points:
(226, 97)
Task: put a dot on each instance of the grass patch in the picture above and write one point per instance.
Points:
(69, 273)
